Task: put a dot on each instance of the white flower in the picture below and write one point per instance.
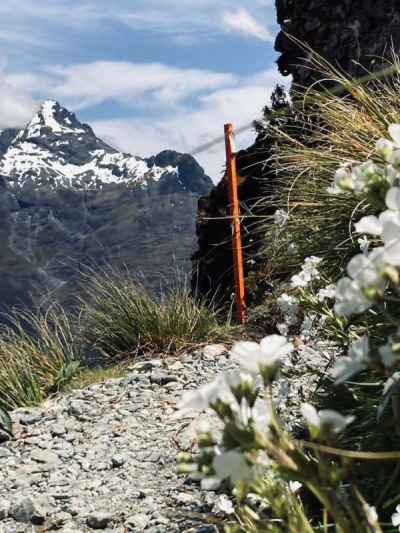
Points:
(254, 357)
(391, 238)
(394, 132)
(325, 420)
(370, 225)
(223, 505)
(287, 303)
(350, 298)
(367, 269)
(366, 278)
(371, 514)
(206, 395)
(385, 148)
(326, 293)
(363, 243)
(281, 217)
(232, 465)
(343, 180)
(396, 517)
(308, 273)
(356, 361)
(283, 329)
(306, 328)
(294, 486)
(261, 415)
(392, 199)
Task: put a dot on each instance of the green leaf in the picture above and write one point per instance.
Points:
(5, 421)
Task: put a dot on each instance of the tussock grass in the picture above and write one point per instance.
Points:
(337, 121)
(121, 315)
(39, 353)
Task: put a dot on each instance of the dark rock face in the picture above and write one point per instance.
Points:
(344, 32)
(68, 200)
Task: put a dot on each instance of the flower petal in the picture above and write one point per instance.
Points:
(370, 225)
(394, 131)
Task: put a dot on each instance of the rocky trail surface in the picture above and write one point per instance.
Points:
(105, 457)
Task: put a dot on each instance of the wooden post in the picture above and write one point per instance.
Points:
(236, 232)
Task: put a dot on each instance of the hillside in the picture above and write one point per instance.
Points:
(69, 200)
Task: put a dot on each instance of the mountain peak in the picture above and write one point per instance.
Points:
(54, 119)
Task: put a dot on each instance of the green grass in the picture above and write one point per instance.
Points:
(120, 315)
(328, 128)
(39, 353)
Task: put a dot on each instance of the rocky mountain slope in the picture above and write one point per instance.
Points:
(69, 200)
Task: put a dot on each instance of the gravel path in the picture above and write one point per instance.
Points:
(105, 457)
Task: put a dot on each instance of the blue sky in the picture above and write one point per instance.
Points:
(146, 74)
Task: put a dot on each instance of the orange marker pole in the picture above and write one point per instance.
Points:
(236, 233)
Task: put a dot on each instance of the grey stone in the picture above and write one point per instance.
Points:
(118, 460)
(139, 521)
(27, 510)
(46, 456)
(58, 430)
(4, 509)
(30, 419)
(99, 520)
(4, 436)
(5, 453)
(162, 378)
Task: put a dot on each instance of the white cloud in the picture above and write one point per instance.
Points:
(187, 128)
(132, 83)
(244, 23)
(181, 21)
(166, 107)
(16, 106)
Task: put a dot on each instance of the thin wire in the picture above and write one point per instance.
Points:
(340, 88)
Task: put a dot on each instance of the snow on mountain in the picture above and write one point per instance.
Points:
(57, 150)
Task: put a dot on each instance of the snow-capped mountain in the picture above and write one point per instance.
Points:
(68, 199)
(57, 150)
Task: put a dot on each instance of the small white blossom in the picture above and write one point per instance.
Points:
(350, 298)
(327, 293)
(206, 395)
(356, 361)
(223, 505)
(294, 486)
(253, 357)
(363, 243)
(394, 132)
(325, 420)
(283, 329)
(232, 465)
(396, 517)
(281, 217)
(385, 149)
(308, 273)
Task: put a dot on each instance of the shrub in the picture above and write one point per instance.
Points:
(39, 353)
(121, 315)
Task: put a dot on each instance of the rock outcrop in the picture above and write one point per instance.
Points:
(353, 34)
(69, 200)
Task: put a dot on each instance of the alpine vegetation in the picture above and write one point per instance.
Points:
(321, 476)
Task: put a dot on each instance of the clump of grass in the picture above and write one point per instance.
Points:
(120, 315)
(39, 354)
(334, 123)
